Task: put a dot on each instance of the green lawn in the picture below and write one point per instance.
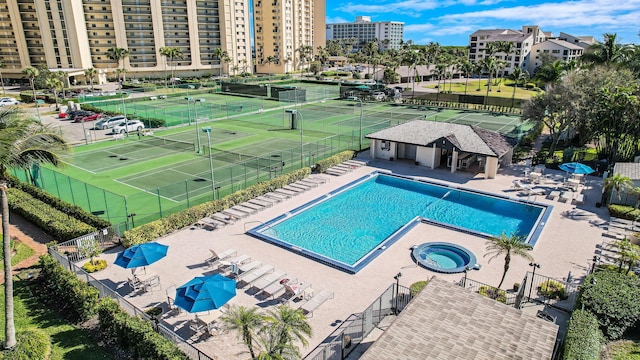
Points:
(68, 342)
(22, 252)
(506, 89)
(623, 350)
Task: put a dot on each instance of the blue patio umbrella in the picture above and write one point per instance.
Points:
(141, 255)
(204, 293)
(576, 168)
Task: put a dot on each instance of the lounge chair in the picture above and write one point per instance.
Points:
(223, 218)
(251, 205)
(287, 191)
(316, 178)
(315, 302)
(261, 203)
(235, 213)
(529, 190)
(244, 209)
(579, 199)
(275, 288)
(241, 269)
(307, 183)
(251, 276)
(554, 195)
(278, 196)
(295, 289)
(268, 279)
(296, 187)
(215, 257)
(236, 261)
(268, 199)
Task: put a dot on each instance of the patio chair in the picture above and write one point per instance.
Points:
(135, 284)
(295, 289)
(275, 288)
(579, 199)
(241, 269)
(315, 302)
(268, 279)
(554, 195)
(215, 257)
(250, 276)
(236, 261)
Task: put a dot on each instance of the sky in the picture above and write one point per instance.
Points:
(450, 22)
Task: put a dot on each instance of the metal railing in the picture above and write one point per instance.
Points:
(503, 296)
(341, 342)
(556, 293)
(106, 238)
(132, 310)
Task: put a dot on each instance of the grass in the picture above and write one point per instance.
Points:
(68, 342)
(623, 350)
(590, 154)
(22, 252)
(506, 89)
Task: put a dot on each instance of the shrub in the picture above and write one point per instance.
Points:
(612, 298)
(151, 231)
(31, 344)
(552, 289)
(323, 165)
(54, 222)
(584, 339)
(94, 266)
(493, 293)
(417, 286)
(62, 290)
(623, 211)
(134, 334)
(615, 268)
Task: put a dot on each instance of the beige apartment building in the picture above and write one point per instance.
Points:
(73, 35)
(284, 26)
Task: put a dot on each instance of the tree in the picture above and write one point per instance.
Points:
(164, 52)
(271, 59)
(222, 56)
(90, 73)
(117, 54)
(24, 142)
(172, 53)
(466, 68)
(508, 245)
(610, 51)
(55, 84)
(617, 182)
(246, 321)
(390, 76)
(289, 325)
(517, 75)
(272, 349)
(305, 52)
(489, 65)
(30, 72)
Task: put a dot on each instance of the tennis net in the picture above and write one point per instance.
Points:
(248, 160)
(177, 145)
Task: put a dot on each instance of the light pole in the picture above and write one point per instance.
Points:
(195, 109)
(207, 129)
(464, 282)
(596, 259)
(397, 277)
(535, 266)
(360, 135)
(296, 113)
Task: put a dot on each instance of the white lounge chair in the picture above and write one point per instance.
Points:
(241, 269)
(315, 302)
(295, 289)
(216, 258)
(250, 276)
(268, 279)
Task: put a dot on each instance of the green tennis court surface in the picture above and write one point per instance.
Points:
(251, 140)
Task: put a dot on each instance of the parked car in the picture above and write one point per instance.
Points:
(8, 101)
(128, 126)
(110, 122)
(78, 114)
(92, 117)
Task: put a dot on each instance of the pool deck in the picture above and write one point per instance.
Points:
(567, 244)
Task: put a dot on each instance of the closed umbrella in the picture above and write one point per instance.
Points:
(141, 255)
(204, 293)
(576, 168)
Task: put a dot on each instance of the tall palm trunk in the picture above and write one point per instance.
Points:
(507, 261)
(466, 84)
(9, 327)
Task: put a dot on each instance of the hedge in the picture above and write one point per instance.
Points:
(624, 212)
(55, 222)
(584, 339)
(72, 210)
(613, 299)
(493, 293)
(155, 229)
(31, 344)
(134, 334)
(323, 165)
(62, 290)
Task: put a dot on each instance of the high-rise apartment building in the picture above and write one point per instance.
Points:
(73, 35)
(282, 27)
(389, 34)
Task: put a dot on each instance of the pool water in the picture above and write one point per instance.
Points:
(444, 257)
(343, 227)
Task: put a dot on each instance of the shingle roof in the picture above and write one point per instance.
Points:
(566, 44)
(446, 321)
(630, 170)
(466, 138)
(502, 35)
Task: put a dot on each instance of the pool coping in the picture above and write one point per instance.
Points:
(473, 261)
(391, 239)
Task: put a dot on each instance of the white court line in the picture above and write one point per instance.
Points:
(78, 167)
(143, 190)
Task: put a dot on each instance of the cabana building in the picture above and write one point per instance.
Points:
(439, 144)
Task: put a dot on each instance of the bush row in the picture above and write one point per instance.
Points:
(63, 291)
(624, 212)
(134, 334)
(56, 223)
(323, 165)
(584, 339)
(72, 210)
(155, 229)
(31, 344)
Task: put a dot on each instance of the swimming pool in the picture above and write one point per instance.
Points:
(350, 226)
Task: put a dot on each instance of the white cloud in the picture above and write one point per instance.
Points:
(335, 20)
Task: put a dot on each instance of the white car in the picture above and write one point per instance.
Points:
(110, 122)
(8, 101)
(128, 126)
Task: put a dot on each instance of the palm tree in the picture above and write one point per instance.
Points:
(1, 78)
(610, 51)
(246, 321)
(489, 65)
(466, 67)
(272, 349)
(244, 65)
(89, 74)
(222, 56)
(24, 142)
(617, 182)
(117, 54)
(55, 83)
(517, 75)
(164, 52)
(507, 245)
(271, 59)
(289, 325)
(31, 73)
(172, 53)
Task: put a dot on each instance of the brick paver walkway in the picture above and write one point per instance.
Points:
(40, 249)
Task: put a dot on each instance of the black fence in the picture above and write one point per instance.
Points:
(508, 297)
